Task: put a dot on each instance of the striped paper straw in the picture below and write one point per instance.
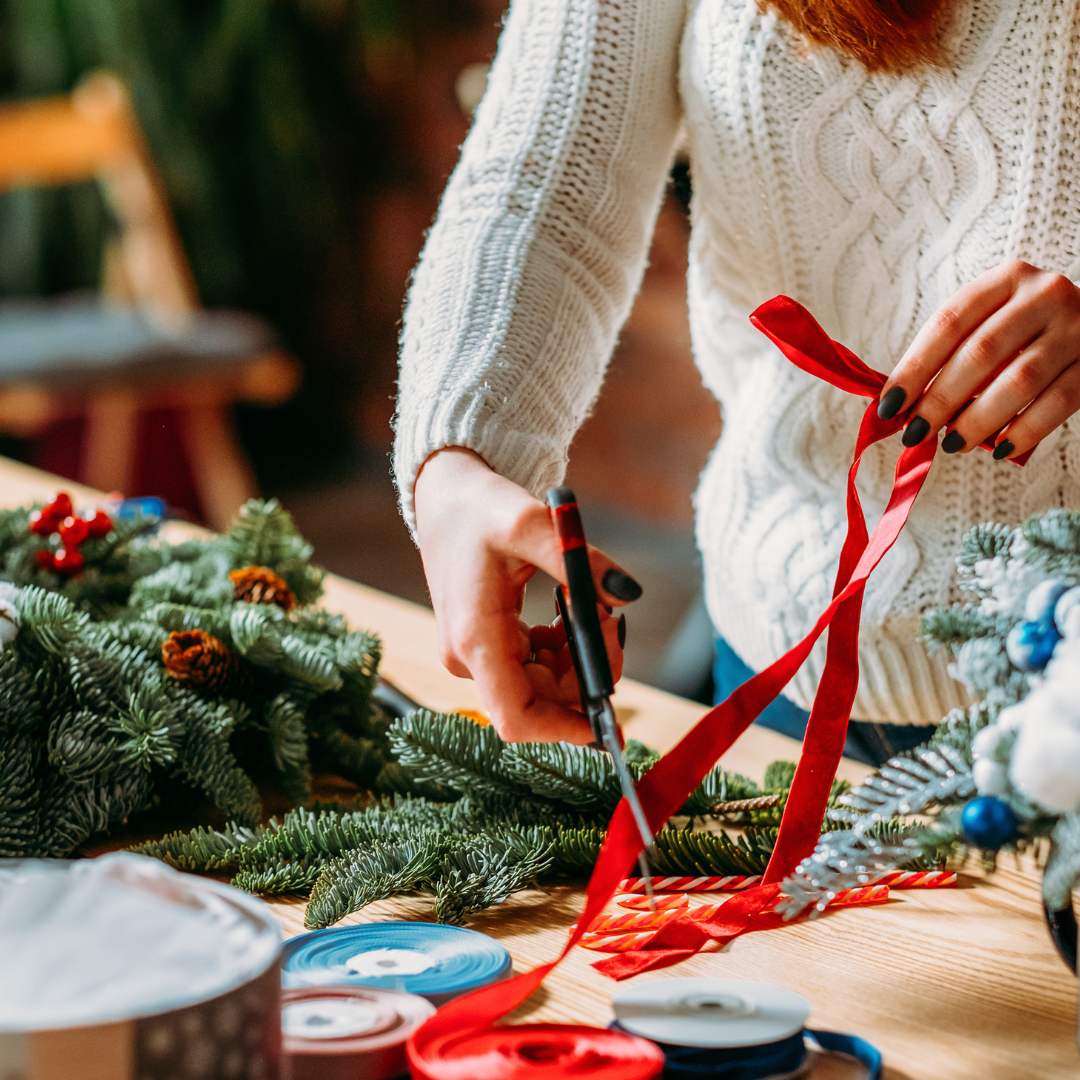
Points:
(663, 902)
(732, 883)
(897, 879)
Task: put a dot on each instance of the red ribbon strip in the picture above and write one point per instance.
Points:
(665, 787)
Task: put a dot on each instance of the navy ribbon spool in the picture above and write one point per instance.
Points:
(777, 1059)
(728, 1029)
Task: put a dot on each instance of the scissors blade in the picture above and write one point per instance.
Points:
(610, 737)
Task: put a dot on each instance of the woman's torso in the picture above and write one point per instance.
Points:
(870, 199)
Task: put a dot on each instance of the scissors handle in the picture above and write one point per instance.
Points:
(594, 671)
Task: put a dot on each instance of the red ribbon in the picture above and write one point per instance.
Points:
(665, 787)
(538, 1052)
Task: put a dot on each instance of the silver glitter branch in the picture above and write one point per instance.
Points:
(858, 856)
(905, 786)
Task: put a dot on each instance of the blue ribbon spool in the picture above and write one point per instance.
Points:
(723, 1029)
(435, 961)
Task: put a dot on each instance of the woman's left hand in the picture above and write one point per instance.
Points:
(1010, 340)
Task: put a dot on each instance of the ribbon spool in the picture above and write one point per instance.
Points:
(539, 1052)
(727, 1029)
(345, 1032)
(435, 961)
(121, 967)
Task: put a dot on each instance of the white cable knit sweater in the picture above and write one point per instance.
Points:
(870, 199)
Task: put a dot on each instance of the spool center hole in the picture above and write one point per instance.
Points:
(541, 1052)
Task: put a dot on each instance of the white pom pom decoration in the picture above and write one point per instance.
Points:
(1045, 766)
(990, 777)
(989, 739)
(9, 614)
(1039, 606)
(1067, 614)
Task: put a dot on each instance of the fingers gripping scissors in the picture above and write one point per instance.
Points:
(585, 640)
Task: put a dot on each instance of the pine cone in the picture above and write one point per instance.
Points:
(203, 662)
(260, 585)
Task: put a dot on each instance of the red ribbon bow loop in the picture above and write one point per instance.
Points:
(665, 787)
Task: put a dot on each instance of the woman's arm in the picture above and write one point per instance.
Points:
(525, 280)
(541, 239)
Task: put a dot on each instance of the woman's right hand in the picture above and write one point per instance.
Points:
(482, 537)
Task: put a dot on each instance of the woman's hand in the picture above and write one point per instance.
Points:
(482, 538)
(1010, 340)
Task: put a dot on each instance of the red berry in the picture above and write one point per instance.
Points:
(42, 522)
(99, 525)
(44, 559)
(67, 561)
(74, 531)
(60, 507)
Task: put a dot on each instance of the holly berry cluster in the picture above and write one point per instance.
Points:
(66, 531)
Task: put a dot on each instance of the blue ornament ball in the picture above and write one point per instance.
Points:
(988, 822)
(1031, 644)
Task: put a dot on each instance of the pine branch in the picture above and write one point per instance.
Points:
(453, 751)
(73, 814)
(582, 778)
(956, 625)
(201, 848)
(50, 619)
(1053, 543)
(984, 542)
(376, 871)
(487, 870)
(264, 535)
(1063, 867)
(906, 786)
(279, 879)
(205, 758)
(679, 851)
(880, 837)
(19, 825)
(718, 787)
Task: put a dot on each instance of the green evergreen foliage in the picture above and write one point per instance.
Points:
(986, 541)
(953, 626)
(94, 730)
(516, 813)
(1053, 544)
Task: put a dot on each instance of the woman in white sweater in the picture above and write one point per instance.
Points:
(907, 169)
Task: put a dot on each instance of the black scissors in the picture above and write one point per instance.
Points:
(585, 640)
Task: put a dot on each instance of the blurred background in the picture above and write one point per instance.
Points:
(283, 159)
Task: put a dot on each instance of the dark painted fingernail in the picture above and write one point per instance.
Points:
(1003, 449)
(622, 631)
(891, 403)
(915, 432)
(953, 442)
(621, 586)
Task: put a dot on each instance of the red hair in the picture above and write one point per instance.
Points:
(884, 35)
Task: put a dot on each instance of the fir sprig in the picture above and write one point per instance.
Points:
(95, 729)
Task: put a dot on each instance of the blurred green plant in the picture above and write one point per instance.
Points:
(253, 112)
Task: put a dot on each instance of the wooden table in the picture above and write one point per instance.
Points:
(958, 983)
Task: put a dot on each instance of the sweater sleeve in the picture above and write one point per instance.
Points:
(540, 243)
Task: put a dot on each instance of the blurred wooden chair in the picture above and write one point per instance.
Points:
(145, 342)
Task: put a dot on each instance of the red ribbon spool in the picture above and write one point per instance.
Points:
(537, 1052)
(345, 1032)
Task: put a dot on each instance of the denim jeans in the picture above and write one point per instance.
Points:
(867, 740)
